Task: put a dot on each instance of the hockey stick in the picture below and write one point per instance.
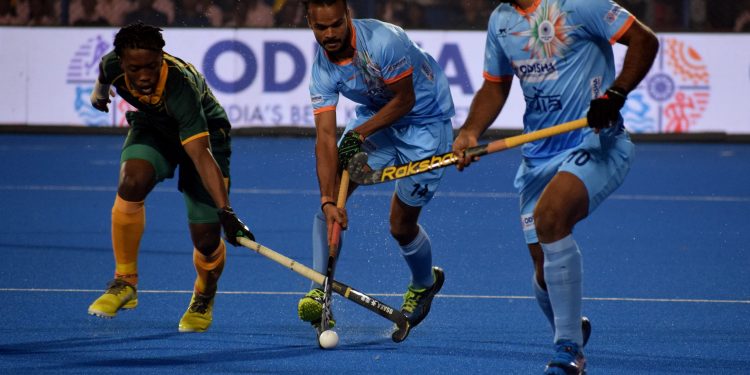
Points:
(370, 303)
(362, 174)
(333, 250)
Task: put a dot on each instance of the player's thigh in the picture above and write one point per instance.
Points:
(145, 144)
(601, 163)
(531, 179)
(418, 142)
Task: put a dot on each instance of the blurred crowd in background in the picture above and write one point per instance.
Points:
(660, 15)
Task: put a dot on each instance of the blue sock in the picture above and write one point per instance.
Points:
(542, 297)
(320, 245)
(563, 272)
(418, 255)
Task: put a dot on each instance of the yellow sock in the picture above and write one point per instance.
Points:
(209, 269)
(128, 221)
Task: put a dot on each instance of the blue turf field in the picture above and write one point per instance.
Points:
(666, 264)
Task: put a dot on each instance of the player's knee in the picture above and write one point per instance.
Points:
(404, 234)
(551, 223)
(137, 178)
(205, 237)
(135, 186)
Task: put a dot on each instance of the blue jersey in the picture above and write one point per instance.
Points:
(561, 51)
(383, 54)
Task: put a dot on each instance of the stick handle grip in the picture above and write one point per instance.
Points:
(340, 203)
(283, 260)
(510, 142)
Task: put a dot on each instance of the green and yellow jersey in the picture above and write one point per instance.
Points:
(182, 104)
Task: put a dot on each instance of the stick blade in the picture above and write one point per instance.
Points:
(401, 332)
(360, 172)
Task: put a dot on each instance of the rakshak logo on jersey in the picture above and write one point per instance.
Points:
(536, 70)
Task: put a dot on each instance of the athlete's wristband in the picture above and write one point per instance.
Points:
(621, 94)
(100, 90)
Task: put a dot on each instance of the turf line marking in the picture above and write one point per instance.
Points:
(456, 296)
(449, 194)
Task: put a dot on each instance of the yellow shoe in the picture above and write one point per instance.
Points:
(199, 315)
(120, 294)
(310, 308)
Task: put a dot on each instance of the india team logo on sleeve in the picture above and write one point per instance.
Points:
(82, 73)
(674, 95)
(612, 14)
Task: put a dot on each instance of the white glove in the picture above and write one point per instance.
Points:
(100, 96)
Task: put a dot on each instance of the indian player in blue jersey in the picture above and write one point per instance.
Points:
(561, 52)
(404, 114)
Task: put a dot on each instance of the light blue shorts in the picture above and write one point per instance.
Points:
(403, 144)
(600, 162)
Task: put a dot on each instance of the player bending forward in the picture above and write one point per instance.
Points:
(403, 115)
(179, 122)
(561, 51)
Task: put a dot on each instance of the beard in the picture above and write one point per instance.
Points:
(343, 43)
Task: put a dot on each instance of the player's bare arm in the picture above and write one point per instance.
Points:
(326, 159)
(398, 107)
(199, 151)
(485, 107)
(642, 48)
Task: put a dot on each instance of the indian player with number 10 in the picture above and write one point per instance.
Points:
(178, 123)
(404, 114)
(561, 51)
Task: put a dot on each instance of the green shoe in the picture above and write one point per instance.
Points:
(310, 308)
(120, 294)
(199, 314)
(417, 302)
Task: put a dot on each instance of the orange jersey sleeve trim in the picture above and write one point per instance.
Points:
(199, 135)
(400, 76)
(526, 12)
(623, 30)
(495, 79)
(324, 109)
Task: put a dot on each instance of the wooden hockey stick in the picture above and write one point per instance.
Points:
(362, 299)
(362, 174)
(333, 251)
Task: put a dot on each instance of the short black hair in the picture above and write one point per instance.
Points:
(140, 36)
(307, 3)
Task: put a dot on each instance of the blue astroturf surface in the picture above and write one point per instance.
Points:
(666, 263)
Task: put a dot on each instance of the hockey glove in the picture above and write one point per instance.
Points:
(233, 226)
(350, 146)
(604, 111)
